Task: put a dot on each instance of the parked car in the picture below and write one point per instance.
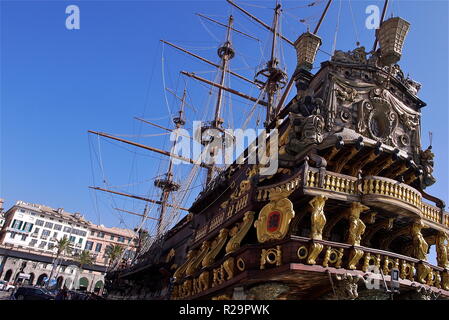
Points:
(6, 286)
(32, 293)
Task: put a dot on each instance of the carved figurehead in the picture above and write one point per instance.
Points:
(442, 247)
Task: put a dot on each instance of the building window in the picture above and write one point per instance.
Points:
(45, 233)
(72, 238)
(112, 237)
(42, 244)
(39, 222)
(55, 235)
(67, 229)
(49, 225)
(24, 237)
(80, 241)
(92, 233)
(12, 235)
(33, 213)
(22, 210)
(100, 234)
(50, 246)
(89, 245)
(27, 227)
(98, 247)
(33, 242)
(36, 230)
(16, 224)
(121, 239)
(57, 227)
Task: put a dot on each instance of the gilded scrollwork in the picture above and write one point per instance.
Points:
(239, 232)
(193, 266)
(179, 273)
(271, 256)
(274, 220)
(216, 247)
(228, 266)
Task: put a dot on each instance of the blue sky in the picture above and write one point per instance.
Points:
(56, 84)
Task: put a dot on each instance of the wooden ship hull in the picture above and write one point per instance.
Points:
(346, 208)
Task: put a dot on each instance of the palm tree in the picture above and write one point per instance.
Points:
(84, 259)
(114, 252)
(62, 245)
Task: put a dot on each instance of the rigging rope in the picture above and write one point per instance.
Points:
(354, 24)
(336, 30)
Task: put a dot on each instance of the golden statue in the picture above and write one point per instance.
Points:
(420, 246)
(356, 225)
(442, 247)
(318, 219)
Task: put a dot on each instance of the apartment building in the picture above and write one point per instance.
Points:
(37, 226)
(101, 238)
(27, 246)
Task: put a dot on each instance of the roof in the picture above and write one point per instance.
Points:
(113, 230)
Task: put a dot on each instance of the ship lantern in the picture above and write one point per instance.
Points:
(391, 36)
(306, 47)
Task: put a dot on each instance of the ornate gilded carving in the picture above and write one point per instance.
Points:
(216, 247)
(445, 280)
(314, 252)
(239, 232)
(243, 188)
(355, 256)
(228, 266)
(240, 264)
(193, 266)
(274, 220)
(389, 264)
(318, 219)
(420, 246)
(222, 297)
(356, 225)
(424, 273)
(271, 256)
(371, 260)
(344, 93)
(204, 280)
(407, 270)
(218, 276)
(442, 248)
(333, 256)
(179, 273)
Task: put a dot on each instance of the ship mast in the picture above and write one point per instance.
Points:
(167, 184)
(226, 53)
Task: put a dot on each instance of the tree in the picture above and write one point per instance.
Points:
(84, 259)
(114, 252)
(62, 245)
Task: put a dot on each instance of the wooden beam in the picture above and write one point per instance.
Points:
(166, 153)
(192, 75)
(137, 214)
(137, 197)
(210, 62)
